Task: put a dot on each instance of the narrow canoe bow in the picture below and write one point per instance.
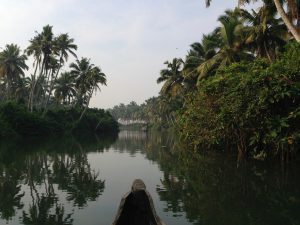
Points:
(137, 208)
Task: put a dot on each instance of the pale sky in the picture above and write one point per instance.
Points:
(129, 39)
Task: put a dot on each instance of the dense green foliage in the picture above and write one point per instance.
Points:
(236, 89)
(254, 107)
(47, 101)
(17, 121)
(288, 10)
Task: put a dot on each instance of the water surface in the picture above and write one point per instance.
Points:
(71, 181)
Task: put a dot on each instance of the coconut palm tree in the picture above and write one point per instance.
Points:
(64, 46)
(81, 70)
(87, 80)
(2, 89)
(42, 48)
(292, 14)
(194, 58)
(12, 66)
(199, 53)
(95, 77)
(231, 44)
(264, 32)
(35, 50)
(65, 88)
(22, 89)
(172, 77)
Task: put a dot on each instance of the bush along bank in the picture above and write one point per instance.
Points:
(17, 121)
(253, 107)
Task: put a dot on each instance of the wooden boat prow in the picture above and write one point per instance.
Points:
(137, 208)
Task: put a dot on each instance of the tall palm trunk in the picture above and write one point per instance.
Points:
(34, 85)
(31, 90)
(88, 102)
(52, 84)
(9, 86)
(288, 23)
(40, 88)
(49, 74)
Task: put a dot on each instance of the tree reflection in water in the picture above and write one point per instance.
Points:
(210, 188)
(40, 213)
(49, 170)
(204, 189)
(10, 191)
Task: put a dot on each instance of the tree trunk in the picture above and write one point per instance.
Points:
(9, 87)
(83, 112)
(47, 82)
(34, 85)
(286, 20)
(31, 90)
(52, 84)
(51, 89)
(87, 105)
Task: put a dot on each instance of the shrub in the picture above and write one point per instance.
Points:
(15, 120)
(253, 107)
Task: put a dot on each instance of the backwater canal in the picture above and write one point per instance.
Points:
(81, 182)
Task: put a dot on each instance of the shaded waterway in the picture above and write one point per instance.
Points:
(69, 181)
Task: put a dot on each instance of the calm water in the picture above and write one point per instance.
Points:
(81, 182)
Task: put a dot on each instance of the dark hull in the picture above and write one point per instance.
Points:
(137, 208)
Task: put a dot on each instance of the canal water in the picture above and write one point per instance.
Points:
(81, 182)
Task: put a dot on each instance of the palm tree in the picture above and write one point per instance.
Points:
(172, 77)
(63, 45)
(12, 66)
(199, 53)
(22, 89)
(87, 80)
(293, 7)
(2, 90)
(65, 88)
(194, 58)
(81, 70)
(35, 50)
(96, 77)
(231, 44)
(42, 48)
(264, 32)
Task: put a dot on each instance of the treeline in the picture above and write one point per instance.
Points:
(16, 121)
(49, 87)
(238, 88)
(157, 112)
(131, 111)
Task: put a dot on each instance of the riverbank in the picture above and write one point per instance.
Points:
(17, 122)
(252, 107)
